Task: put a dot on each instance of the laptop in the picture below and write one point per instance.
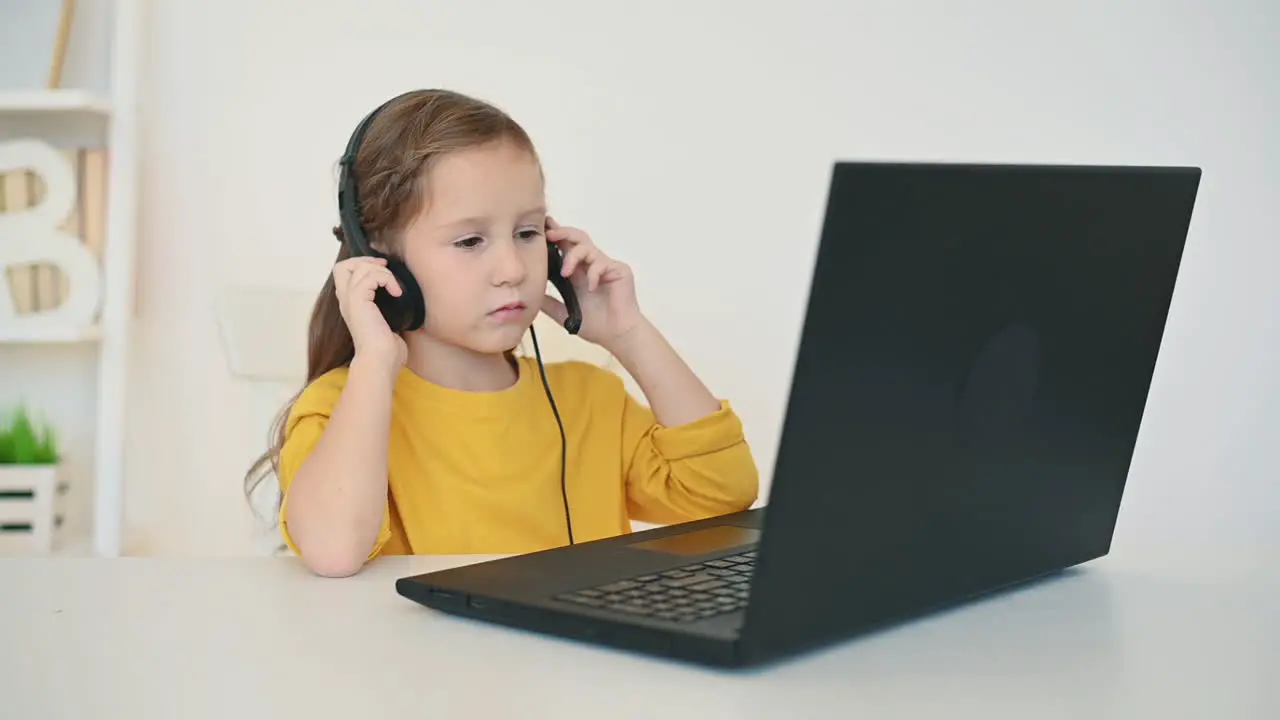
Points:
(971, 377)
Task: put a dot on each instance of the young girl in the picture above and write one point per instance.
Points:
(441, 439)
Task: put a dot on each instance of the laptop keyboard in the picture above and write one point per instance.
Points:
(684, 594)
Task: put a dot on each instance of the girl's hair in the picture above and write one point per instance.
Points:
(403, 143)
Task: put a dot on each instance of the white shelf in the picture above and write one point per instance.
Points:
(53, 101)
(44, 336)
(103, 117)
(65, 118)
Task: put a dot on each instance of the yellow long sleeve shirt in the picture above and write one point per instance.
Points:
(473, 472)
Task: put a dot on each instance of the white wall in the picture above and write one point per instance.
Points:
(693, 139)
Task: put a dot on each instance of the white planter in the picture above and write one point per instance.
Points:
(28, 501)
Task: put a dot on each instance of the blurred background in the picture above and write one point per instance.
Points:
(195, 158)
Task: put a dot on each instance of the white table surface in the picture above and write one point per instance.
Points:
(144, 638)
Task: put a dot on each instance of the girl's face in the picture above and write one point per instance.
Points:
(478, 248)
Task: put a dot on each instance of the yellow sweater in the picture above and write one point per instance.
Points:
(480, 472)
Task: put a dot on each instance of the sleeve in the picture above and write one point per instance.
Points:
(688, 472)
(303, 429)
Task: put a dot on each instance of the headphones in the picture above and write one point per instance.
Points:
(409, 311)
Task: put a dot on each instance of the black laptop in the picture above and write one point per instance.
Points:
(974, 365)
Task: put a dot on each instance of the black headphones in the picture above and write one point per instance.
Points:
(409, 311)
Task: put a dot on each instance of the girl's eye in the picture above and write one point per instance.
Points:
(468, 242)
(529, 234)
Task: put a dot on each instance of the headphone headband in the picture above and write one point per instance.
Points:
(348, 197)
(403, 313)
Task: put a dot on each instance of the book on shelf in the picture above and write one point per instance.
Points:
(39, 287)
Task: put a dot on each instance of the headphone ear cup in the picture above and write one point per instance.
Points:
(555, 261)
(555, 264)
(407, 312)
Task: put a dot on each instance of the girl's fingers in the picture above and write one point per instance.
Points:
(385, 278)
(577, 255)
(594, 273)
(566, 238)
(343, 271)
(356, 279)
(578, 250)
(554, 309)
(368, 277)
(392, 284)
(360, 260)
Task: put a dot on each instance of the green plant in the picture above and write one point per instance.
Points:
(23, 443)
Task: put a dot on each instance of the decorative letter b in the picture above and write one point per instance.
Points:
(32, 235)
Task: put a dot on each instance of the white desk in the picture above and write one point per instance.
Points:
(139, 639)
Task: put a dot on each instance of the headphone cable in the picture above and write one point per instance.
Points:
(564, 492)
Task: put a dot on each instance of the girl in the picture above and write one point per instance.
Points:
(441, 439)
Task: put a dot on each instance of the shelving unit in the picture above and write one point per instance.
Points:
(107, 117)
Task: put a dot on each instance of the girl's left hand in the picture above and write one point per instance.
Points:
(605, 287)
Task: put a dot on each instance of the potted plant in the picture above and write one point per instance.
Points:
(30, 462)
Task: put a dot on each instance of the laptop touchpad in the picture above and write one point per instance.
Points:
(702, 542)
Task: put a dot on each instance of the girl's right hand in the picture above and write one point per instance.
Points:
(355, 280)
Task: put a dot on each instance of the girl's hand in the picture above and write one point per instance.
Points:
(355, 280)
(605, 287)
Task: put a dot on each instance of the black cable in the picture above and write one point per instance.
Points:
(564, 491)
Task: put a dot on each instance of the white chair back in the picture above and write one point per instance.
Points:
(264, 335)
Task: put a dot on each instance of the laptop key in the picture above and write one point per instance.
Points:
(633, 609)
(619, 586)
(686, 581)
(709, 585)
